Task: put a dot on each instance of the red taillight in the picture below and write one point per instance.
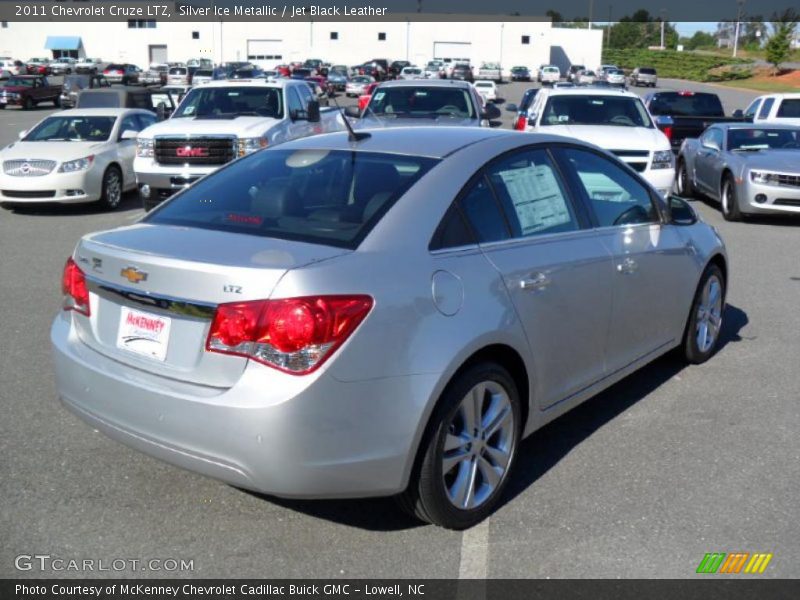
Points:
(667, 132)
(73, 285)
(521, 122)
(295, 335)
(685, 93)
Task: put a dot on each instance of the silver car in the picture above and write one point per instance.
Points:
(749, 169)
(383, 314)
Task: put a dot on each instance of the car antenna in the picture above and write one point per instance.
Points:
(352, 135)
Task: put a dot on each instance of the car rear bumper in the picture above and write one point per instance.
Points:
(311, 437)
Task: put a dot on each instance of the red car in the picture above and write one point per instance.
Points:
(364, 99)
(284, 70)
(39, 67)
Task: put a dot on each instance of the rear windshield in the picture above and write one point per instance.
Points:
(329, 197)
(115, 68)
(789, 108)
(686, 104)
(177, 71)
(90, 99)
(422, 102)
(584, 109)
(647, 71)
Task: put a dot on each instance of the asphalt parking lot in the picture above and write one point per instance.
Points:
(640, 482)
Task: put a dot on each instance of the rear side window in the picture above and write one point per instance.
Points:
(534, 200)
(789, 108)
(483, 213)
(328, 197)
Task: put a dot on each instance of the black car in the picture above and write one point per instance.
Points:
(520, 74)
(127, 97)
(463, 72)
(302, 73)
(572, 73)
(396, 67)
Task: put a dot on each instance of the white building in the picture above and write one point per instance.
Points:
(513, 42)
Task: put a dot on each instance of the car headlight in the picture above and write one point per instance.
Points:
(80, 164)
(144, 147)
(663, 159)
(764, 178)
(248, 145)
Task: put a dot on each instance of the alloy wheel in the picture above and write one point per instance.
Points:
(709, 314)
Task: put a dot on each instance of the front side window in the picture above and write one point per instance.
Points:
(532, 195)
(585, 109)
(330, 197)
(765, 108)
(616, 197)
(750, 111)
(130, 123)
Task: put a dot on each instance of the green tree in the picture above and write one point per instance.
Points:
(700, 39)
(779, 44)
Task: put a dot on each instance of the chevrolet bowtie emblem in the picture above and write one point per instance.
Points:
(133, 274)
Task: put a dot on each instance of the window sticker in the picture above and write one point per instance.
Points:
(537, 198)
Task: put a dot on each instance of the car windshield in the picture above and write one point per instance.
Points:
(518, 69)
(72, 129)
(686, 104)
(590, 109)
(749, 139)
(330, 197)
(422, 102)
(19, 82)
(227, 102)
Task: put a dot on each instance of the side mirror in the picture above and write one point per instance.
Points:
(352, 112)
(129, 134)
(161, 111)
(680, 211)
(312, 111)
(512, 108)
(491, 112)
(738, 114)
(22, 133)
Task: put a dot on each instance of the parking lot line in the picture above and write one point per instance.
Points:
(474, 552)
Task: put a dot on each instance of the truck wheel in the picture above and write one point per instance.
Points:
(468, 450)
(28, 105)
(57, 101)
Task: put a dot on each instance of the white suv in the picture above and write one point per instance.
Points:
(617, 121)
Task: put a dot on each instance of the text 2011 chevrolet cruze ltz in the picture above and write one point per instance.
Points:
(385, 313)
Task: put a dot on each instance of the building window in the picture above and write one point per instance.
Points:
(141, 24)
(526, 39)
(334, 35)
(4, 24)
(382, 36)
(195, 35)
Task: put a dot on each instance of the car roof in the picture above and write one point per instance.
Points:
(98, 112)
(279, 83)
(767, 125)
(589, 91)
(428, 141)
(443, 83)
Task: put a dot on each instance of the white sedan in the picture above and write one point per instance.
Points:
(74, 156)
(357, 85)
(487, 89)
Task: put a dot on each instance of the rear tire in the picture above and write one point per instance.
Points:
(28, 104)
(728, 200)
(704, 325)
(112, 188)
(464, 459)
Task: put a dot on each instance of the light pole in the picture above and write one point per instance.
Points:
(608, 28)
(663, 15)
(740, 5)
(591, 10)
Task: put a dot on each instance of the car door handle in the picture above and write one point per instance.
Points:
(627, 266)
(537, 282)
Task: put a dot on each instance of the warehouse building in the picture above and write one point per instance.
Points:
(141, 42)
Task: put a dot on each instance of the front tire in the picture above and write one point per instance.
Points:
(468, 450)
(728, 200)
(112, 188)
(28, 104)
(701, 338)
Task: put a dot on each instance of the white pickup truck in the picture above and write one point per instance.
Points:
(219, 122)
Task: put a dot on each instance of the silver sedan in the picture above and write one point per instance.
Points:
(749, 169)
(387, 313)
